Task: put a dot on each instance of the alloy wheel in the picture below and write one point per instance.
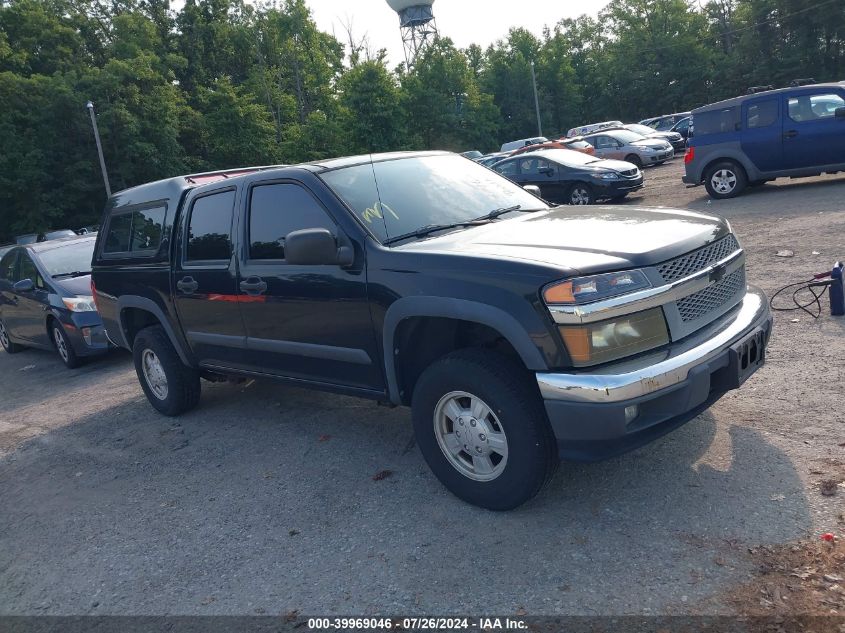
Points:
(61, 345)
(154, 374)
(580, 196)
(470, 436)
(723, 181)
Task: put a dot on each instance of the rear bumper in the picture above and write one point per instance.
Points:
(689, 180)
(661, 392)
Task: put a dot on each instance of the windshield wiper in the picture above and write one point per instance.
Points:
(75, 273)
(428, 229)
(433, 228)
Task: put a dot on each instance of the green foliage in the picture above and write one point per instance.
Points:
(226, 83)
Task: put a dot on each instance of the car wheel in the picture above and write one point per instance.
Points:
(6, 342)
(63, 346)
(482, 428)
(580, 194)
(170, 386)
(636, 160)
(725, 180)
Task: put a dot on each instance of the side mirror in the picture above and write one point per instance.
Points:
(25, 285)
(839, 113)
(316, 247)
(534, 189)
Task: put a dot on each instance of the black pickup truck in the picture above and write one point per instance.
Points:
(518, 333)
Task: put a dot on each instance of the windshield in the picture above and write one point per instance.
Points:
(569, 157)
(627, 136)
(397, 197)
(68, 258)
(640, 129)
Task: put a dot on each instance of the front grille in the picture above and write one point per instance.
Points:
(630, 173)
(697, 305)
(691, 263)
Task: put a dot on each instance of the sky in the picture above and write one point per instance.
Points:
(465, 21)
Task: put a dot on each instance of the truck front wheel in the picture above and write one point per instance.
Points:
(170, 386)
(481, 427)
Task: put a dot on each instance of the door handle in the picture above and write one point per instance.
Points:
(790, 134)
(253, 286)
(187, 285)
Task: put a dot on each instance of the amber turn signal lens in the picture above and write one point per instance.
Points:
(560, 293)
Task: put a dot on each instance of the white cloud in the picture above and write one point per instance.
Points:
(465, 21)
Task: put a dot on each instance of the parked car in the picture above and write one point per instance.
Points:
(749, 140)
(665, 122)
(491, 159)
(5, 248)
(524, 142)
(33, 238)
(631, 147)
(684, 128)
(678, 142)
(577, 144)
(46, 302)
(584, 130)
(472, 155)
(517, 333)
(567, 177)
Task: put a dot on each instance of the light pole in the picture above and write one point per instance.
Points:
(536, 101)
(90, 107)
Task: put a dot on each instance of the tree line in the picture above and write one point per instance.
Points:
(225, 83)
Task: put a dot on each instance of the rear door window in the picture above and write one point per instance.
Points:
(762, 114)
(209, 236)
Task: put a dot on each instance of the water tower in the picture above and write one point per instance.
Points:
(416, 24)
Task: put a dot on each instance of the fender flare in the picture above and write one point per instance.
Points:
(143, 303)
(461, 309)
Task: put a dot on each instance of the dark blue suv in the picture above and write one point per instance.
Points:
(750, 140)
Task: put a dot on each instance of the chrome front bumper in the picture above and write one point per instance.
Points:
(646, 375)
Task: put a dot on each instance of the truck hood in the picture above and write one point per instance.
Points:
(594, 239)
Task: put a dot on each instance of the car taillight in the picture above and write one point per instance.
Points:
(690, 156)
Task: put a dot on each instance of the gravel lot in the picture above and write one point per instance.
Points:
(263, 499)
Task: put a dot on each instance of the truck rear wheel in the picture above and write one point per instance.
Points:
(170, 386)
(481, 427)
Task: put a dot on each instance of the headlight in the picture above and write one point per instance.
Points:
(595, 287)
(611, 340)
(80, 304)
(606, 175)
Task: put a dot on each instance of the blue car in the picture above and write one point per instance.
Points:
(46, 302)
(749, 140)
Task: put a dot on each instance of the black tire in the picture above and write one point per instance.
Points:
(580, 193)
(63, 347)
(636, 160)
(619, 198)
(6, 342)
(182, 387)
(725, 179)
(515, 408)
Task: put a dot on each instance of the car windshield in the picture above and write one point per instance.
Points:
(627, 136)
(640, 129)
(397, 197)
(570, 157)
(67, 259)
